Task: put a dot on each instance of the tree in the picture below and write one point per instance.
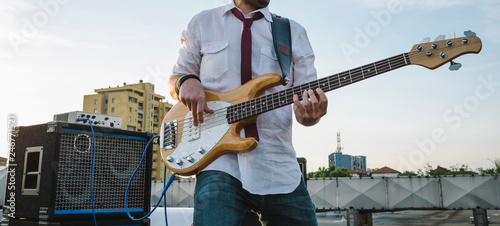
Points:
(486, 171)
(454, 170)
(420, 172)
(322, 172)
(496, 163)
(407, 173)
(458, 169)
(344, 172)
(331, 171)
(436, 172)
(427, 169)
(494, 170)
(463, 169)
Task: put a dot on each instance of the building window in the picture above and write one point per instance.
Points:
(112, 109)
(95, 110)
(149, 86)
(149, 96)
(130, 109)
(129, 119)
(132, 100)
(149, 106)
(112, 100)
(95, 102)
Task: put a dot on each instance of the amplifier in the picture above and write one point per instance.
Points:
(303, 167)
(109, 222)
(49, 173)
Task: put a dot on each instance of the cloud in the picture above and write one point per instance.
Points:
(130, 34)
(419, 4)
(15, 6)
(434, 5)
(217, 3)
(490, 23)
(54, 40)
(28, 29)
(10, 15)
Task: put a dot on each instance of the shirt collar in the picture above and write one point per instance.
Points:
(264, 11)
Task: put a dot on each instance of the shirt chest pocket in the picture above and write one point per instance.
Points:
(215, 60)
(268, 61)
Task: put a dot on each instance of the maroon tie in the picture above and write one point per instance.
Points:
(246, 59)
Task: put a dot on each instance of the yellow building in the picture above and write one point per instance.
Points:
(140, 108)
(3, 161)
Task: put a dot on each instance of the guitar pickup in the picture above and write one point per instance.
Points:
(193, 132)
(169, 133)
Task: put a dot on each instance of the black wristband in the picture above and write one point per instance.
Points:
(182, 80)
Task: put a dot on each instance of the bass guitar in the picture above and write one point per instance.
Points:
(186, 149)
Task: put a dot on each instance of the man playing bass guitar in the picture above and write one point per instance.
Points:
(221, 49)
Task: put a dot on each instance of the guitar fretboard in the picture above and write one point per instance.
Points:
(282, 98)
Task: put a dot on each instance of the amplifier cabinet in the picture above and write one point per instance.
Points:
(109, 222)
(49, 173)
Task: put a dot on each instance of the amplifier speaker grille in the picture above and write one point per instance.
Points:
(115, 160)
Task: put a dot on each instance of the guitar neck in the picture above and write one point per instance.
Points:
(282, 98)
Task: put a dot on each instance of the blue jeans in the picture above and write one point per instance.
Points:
(219, 199)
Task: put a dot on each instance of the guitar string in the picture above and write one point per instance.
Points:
(273, 98)
(276, 99)
(354, 76)
(219, 118)
(216, 117)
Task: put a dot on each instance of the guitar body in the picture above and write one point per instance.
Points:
(229, 141)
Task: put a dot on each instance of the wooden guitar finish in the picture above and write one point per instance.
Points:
(231, 142)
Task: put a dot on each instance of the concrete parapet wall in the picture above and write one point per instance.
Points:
(378, 194)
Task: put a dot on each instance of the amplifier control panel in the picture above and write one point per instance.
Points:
(97, 119)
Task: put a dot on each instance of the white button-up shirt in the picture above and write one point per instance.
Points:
(211, 49)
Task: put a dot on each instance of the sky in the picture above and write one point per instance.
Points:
(53, 52)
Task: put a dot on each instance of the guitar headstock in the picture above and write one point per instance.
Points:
(434, 54)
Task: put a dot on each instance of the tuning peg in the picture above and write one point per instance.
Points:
(425, 40)
(454, 66)
(469, 33)
(439, 38)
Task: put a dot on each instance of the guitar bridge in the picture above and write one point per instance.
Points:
(169, 134)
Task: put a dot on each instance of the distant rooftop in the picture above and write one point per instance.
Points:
(385, 169)
(357, 171)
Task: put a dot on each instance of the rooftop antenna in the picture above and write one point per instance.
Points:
(339, 147)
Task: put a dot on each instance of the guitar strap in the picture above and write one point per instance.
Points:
(282, 39)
